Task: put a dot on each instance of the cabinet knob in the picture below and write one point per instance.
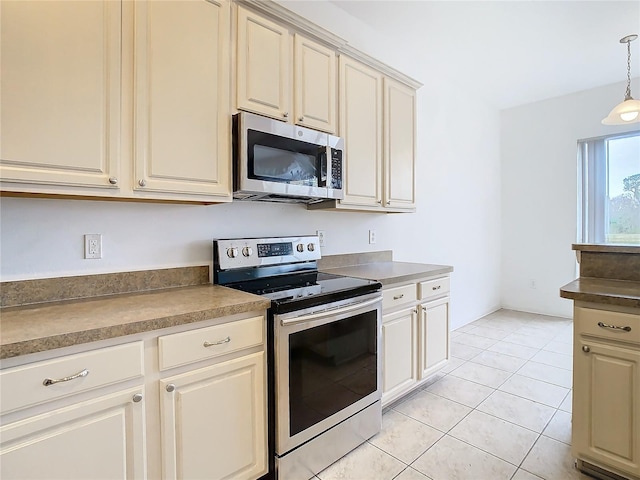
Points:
(301, 119)
(285, 114)
(586, 349)
(171, 387)
(142, 182)
(137, 397)
(113, 180)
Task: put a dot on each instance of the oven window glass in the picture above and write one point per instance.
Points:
(284, 160)
(331, 367)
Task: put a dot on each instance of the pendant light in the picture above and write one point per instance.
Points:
(629, 110)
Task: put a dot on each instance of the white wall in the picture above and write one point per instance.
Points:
(539, 193)
(457, 220)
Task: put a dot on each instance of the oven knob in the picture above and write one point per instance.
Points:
(300, 247)
(232, 252)
(311, 247)
(247, 251)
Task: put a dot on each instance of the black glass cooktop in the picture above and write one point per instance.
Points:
(303, 290)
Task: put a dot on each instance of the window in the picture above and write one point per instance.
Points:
(609, 189)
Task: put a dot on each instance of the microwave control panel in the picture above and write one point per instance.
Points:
(336, 168)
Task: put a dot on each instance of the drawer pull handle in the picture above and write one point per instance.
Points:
(398, 297)
(586, 349)
(219, 342)
(436, 288)
(614, 327)
(52, 381)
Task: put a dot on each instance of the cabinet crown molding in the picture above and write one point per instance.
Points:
(306, 27)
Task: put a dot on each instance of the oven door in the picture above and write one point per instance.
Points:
(327, 367)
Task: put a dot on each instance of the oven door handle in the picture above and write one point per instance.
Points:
(329, 311)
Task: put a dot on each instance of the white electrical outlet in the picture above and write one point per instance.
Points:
(322, 237)
(93, 245)
(372, 237)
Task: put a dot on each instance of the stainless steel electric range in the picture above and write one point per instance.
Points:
(324, 361)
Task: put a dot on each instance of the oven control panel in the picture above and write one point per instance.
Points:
(255, 252)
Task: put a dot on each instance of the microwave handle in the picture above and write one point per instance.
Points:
(322, 180)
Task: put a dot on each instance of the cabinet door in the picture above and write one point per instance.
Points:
(182, 141)
(214, 421)
(606, 410)
(434, 336)
(399, 353)
(60, 94)
(399, 145)
(361, 127)
(97, 439)
(264, 66)
(315, 85)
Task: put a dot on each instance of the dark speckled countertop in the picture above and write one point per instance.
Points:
(392, 272)
(609, 274)
(603, 290)
(38, 327)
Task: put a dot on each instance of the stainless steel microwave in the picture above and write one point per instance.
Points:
(279, 162)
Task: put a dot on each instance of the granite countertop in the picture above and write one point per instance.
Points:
(45, 326)
(389, 272)
(603, 290)
(606, 248)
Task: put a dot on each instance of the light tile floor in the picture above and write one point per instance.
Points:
(501, 409)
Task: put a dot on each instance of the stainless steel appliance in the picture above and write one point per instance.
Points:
(324, 334)
(279, 162)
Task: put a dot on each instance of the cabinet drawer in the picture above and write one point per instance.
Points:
(433, 288)
(601, 323)
(398, 296)
(194, 345)
(25, 386)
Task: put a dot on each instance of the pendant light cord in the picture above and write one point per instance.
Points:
(628, 93)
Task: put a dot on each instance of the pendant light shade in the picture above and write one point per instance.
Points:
(629, 110)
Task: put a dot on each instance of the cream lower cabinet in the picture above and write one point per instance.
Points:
(96, 439)
(213, 417)
(116, 99)
(189, 404)
(85, 424)
(415, 334)
(400, 352)
(606, 391)
(434, 340)
(213, 421)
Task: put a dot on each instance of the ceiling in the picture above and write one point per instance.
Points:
(510, 52)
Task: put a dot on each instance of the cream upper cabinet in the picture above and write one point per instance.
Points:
(263, 66)
(182, 141)
(361, 127)
(606, 384)
(287, 77)
(60, 94)
(314, 85)
(399, 145)
(116, 99)
(378, 123)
